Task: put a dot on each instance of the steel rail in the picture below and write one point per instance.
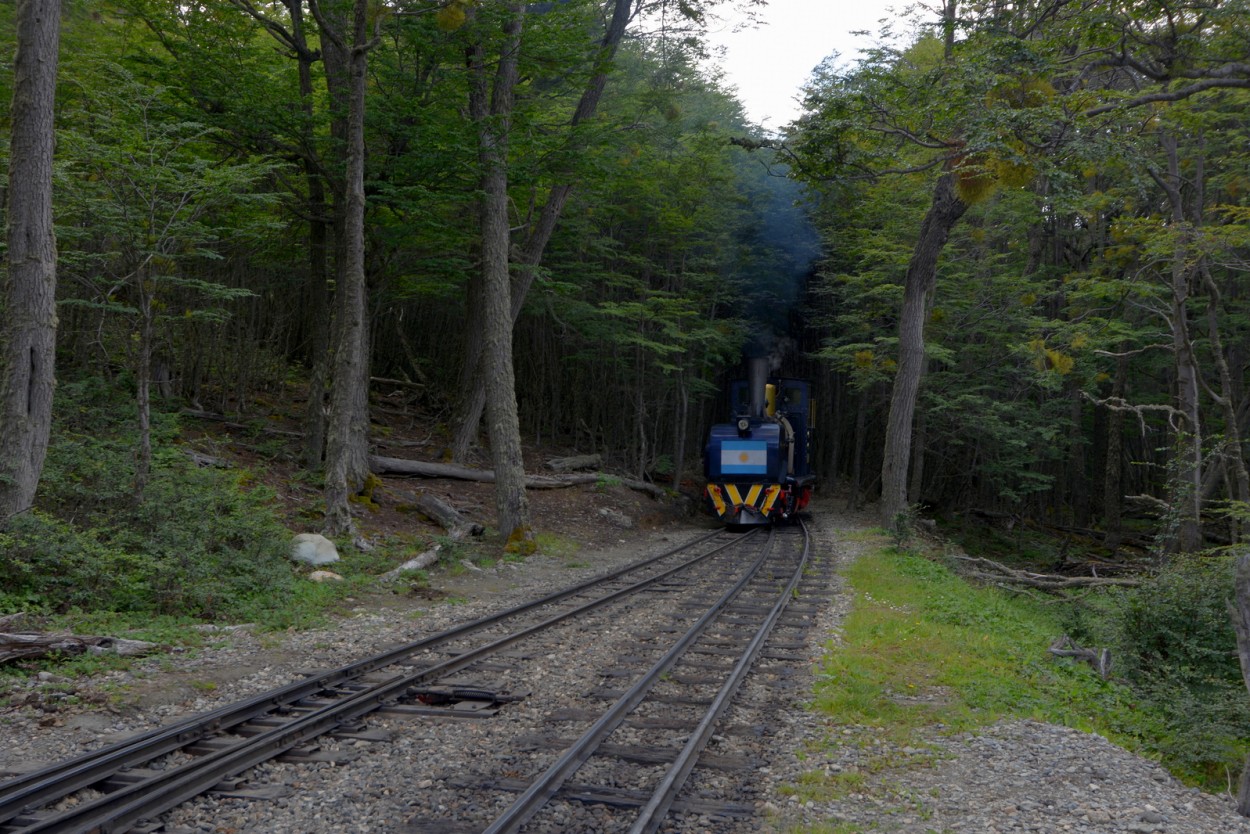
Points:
(61, 778)
(653, 814)
(549, 783)
(118, 810)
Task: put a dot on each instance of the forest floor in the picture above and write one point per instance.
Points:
(578, 516)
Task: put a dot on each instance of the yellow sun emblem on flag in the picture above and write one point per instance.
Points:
(744, 457)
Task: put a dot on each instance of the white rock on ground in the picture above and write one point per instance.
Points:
(313, 549)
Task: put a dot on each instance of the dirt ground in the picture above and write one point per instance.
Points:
(594, 516)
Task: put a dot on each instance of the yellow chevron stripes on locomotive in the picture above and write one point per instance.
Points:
(735, 497)
(713, 492)
(726, 497)
(770, 497)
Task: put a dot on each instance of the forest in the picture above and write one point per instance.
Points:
(1008, 245)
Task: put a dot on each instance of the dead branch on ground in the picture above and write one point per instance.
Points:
(991, 571)
(38, 646)
(1098, 659)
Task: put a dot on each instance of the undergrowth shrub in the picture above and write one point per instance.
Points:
(50, 566)
(201, 543)
(1175, 645)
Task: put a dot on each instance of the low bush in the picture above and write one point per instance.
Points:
(200, 544)
(1174, 643)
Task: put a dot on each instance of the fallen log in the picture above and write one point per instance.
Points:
(38, 646)
(403, 467)
(402, 383)
(448, 517)
(1148, 505)
(12, 620)
(400, 467)
(214, 417)
(631, 483)
(575, 463)
(206, 461)
(993, 571)
(420, 562)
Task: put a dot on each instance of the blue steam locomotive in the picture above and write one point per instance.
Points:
(758, 468)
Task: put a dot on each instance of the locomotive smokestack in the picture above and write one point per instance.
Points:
(757, 379)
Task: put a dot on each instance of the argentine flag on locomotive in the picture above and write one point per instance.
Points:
(744, 457)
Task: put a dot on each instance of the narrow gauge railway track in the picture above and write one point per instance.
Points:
(678, 698)
(110, 790)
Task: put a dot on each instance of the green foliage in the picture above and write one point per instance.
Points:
(605, 482)
(52, 567)
(903, 528)
(201, 544)
(557, 547)
(921, 647)
(1174, 642)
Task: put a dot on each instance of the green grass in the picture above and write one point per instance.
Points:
(924, 650)
(550, 544)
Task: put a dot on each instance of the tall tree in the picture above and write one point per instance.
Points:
(918, 287)
(511, 503)
(154, 200)
(1031, 88)
(28, 333)
(473, 381)
(347, 458)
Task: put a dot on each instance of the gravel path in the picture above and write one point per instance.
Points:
(1013, 777)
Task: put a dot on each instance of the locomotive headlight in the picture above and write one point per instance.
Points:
(744, 426)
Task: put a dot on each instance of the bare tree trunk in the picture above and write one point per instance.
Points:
(1078, 480)
(1240, 610)
(1112, 491)
(318, 314)
(1186, 488)
(347, 460)
(921, 278)
(28, 302)
(916, 478)
(682, 421)
(143, 389)
(511, 503)
(1240, 476)
(1234, 456)
(949, 21)
(472, 384)
(833, 394)
(640, 415)
(857, 455)
(469, 413)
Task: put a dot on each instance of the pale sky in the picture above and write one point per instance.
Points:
(769, 64)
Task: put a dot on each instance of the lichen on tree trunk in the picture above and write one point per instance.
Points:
(943, 213)
(28, 300)
(347, 462)
(511, 503)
